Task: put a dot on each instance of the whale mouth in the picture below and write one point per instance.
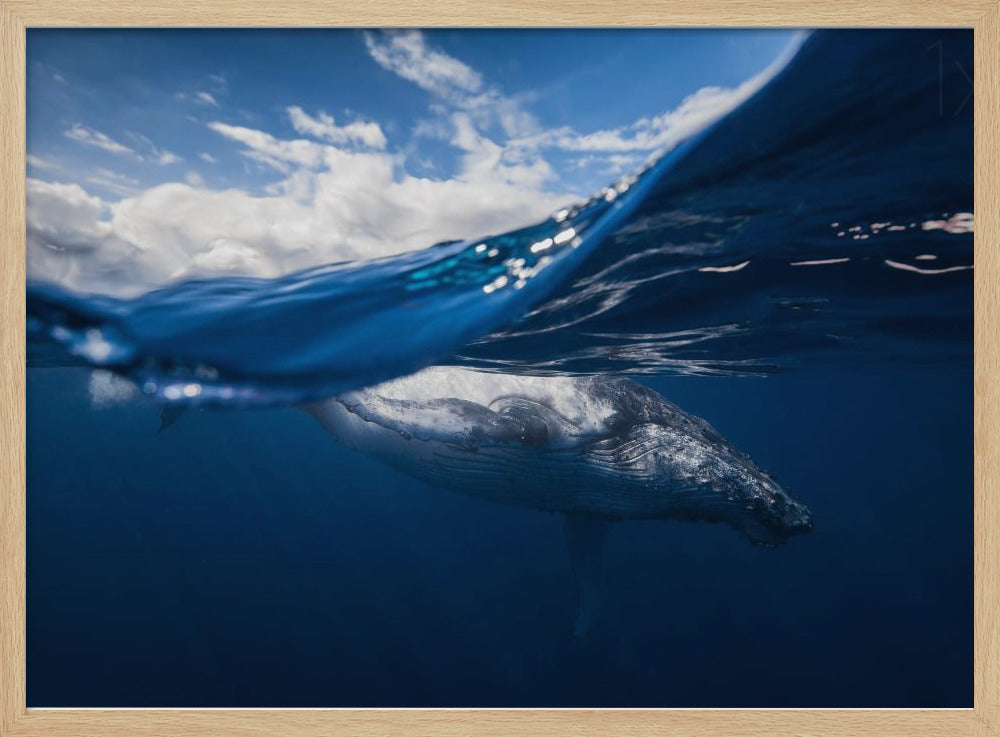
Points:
(796, 519)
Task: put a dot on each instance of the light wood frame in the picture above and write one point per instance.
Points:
(16, 15)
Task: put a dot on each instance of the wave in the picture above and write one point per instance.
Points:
(829, 215)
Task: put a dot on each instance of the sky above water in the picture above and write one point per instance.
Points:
(162, 154)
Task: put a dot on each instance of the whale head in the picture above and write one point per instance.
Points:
(691, 470)
(769, 516)
(716, 482)
(693, 474)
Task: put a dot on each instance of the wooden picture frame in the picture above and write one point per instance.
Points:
(17, 15)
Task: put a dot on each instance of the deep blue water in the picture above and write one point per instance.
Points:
(243, 558)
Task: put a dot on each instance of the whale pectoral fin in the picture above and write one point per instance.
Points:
(169, 415)
(585, 541)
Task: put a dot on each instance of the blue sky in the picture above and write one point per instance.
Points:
(168, 153)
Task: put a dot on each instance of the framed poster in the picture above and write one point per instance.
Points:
(409, 371)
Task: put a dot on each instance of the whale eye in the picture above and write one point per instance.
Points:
(617, 421)
(533, 424)
(535, 432)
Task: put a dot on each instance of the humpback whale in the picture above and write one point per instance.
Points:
(596, 449)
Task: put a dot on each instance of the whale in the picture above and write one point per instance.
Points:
(596, 449)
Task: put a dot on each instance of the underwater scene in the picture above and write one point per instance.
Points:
(500, 368)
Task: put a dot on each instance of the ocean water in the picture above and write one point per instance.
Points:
(798, 274)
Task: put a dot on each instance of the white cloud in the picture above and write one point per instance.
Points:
(206, 98)
(405, 53)
(39, 163)
(202, 97)
(456, 85)
(486, 158)
(450, 82)
(652, 134)
(351, 207)
(91, 137)
(113, 181)
(159, 155)
(326, 128)
(166, 157)
(207, 158)
(266, 148)
(64, 215)
(69, 241)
